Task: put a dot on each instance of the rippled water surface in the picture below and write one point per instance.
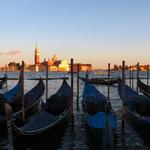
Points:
(77, 137)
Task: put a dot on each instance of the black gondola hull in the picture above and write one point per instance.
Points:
(18, 118)
(101, 124)
(3, 81)
(28, 112)
(31, 107)
(49, 122)
(99, 81)
(50, 132)
(145, 89)
(136, 121)
(47, 140)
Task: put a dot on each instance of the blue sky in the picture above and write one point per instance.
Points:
(90, 31)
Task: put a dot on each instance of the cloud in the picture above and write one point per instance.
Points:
(13, 52)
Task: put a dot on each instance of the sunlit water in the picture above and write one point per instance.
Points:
(76, 138)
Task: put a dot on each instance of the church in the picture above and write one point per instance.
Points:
(53, 64)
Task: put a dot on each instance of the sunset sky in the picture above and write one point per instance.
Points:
(90, 31)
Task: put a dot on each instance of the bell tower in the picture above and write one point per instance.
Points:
(37, 55)
(37, 58)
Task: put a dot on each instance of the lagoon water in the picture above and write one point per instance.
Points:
(77, 138)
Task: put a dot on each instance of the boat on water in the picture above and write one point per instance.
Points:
(13, 97)
(137, 106)
(145, 89)
(3, 81)
(31, 101)
(55, 114)
(8, 97)
(99, 81)
(99, 116)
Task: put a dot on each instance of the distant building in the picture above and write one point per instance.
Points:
(116, 67)
(37, 58)
(37, 55)
(82, 67)
(31, 67)
(50, 62)
(53, 68)
(54, 58)
(57, 63)
(85, 67)
(54, 64)
(63, 66)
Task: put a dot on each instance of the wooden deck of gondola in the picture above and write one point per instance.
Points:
(50, 140)
(47, 133)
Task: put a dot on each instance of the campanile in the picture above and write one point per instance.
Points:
(37, 55)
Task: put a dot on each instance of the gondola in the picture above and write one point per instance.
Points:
(31, 100)
(2, 81)
(55, 114)
(99, 81)
(13, 97)
(8, 97)
(99, 117)
(137, 106)
(145, 89)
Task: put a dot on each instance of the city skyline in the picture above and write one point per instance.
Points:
(97, 32)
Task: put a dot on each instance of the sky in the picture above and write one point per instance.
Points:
(90, 31)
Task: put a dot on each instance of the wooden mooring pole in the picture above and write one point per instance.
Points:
(78, 70)
(46, 81)
(108, 84)
(6, 77)
(22, 91)
(138, 68)
(87, 74)
(8, 114)
(130, 76)
(72, 79)
(123, 94)
(148, 74)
